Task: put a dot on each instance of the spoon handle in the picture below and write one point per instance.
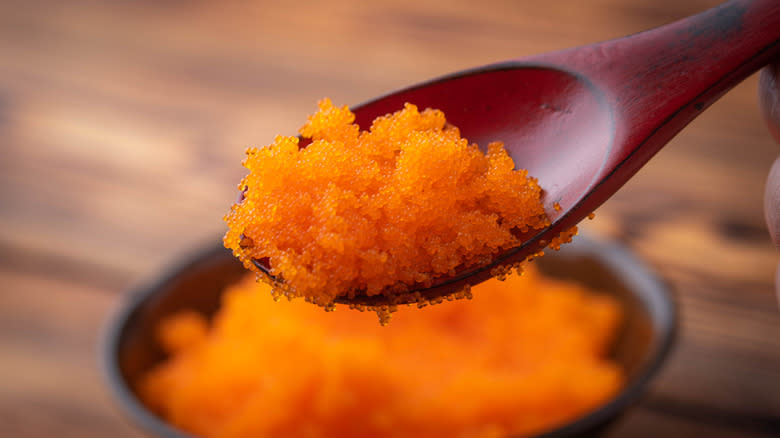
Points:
(657, 81)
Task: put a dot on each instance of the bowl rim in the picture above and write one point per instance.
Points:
(615, 256)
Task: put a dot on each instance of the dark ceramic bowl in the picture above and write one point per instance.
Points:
(646, 338)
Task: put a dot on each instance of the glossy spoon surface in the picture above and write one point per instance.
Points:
(585, 120)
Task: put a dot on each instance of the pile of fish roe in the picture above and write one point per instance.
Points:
(377, 211)
(522, 357)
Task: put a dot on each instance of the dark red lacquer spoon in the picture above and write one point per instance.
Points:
(584, 120)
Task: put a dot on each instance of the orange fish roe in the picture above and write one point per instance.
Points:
(377, 211)
(564, 237)
(524, 356)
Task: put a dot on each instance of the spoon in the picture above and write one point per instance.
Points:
(585, 120)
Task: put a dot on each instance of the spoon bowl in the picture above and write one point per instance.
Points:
(583, 121)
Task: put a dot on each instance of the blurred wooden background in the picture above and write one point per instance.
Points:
(123, 125)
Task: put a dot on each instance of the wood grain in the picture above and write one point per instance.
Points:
(122, 128)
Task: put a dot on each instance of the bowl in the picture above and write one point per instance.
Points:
(647, 335)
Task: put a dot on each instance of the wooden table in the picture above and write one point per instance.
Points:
(123, 125)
